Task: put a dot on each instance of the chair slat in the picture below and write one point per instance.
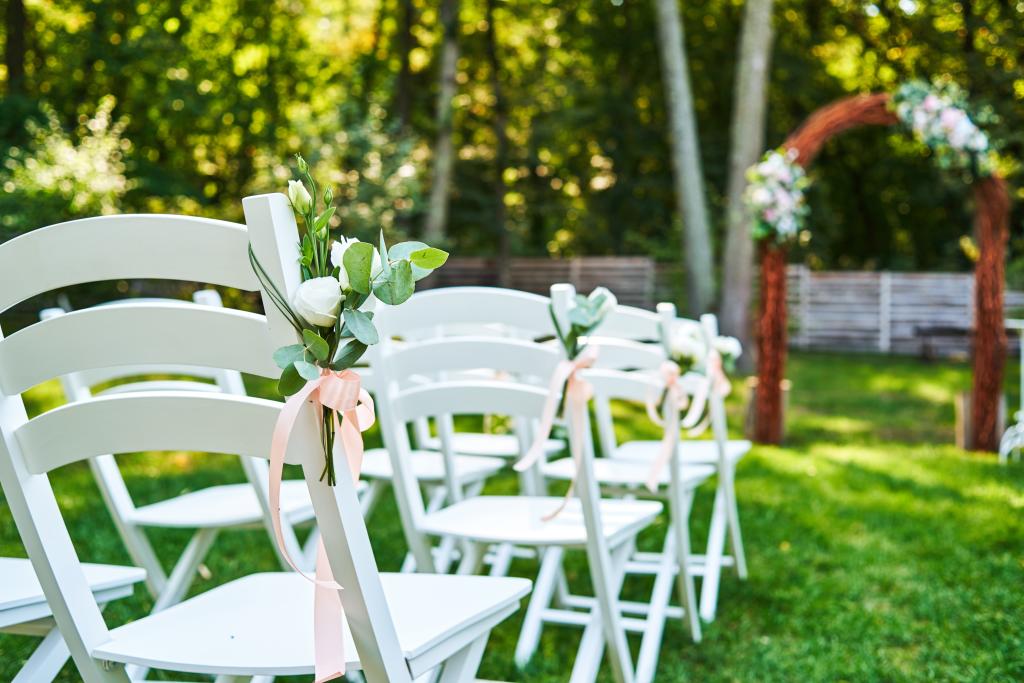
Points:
(472, 353)
(158, 421)
(147, 333)
(466, 305)
(469, 397)
(125, 247)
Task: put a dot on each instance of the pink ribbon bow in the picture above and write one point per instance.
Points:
(577, 392)
(675, 401)
(342, 394)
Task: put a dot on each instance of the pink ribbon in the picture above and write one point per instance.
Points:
(578, 392)
(675, 401)
(342, 394)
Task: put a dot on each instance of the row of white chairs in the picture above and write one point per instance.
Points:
(422, 384)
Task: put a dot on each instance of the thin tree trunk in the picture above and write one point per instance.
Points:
(444, 158)
(750, 96)
(403, 89)
(14, 54)
(499, 123)
(686, 165)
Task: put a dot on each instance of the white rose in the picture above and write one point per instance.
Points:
(338, 250)
(298, 195)
(728, 347)
(760, 196)
(318, 301)
(687, 343)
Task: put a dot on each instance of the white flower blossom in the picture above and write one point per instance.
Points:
(338, 250)
(318, 301)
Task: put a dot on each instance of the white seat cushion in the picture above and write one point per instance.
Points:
(626, 472)
(692, 452)
(262, 624)
(428, 466)
(223, 506)
(497, 445)
(19, 587)
(518, 520)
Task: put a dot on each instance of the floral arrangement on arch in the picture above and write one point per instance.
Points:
(775, 196)
(332, 307)
(938, 116)
(689, 351)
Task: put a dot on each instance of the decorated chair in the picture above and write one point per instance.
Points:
(396, 627)
(605, 529)
(720, 452)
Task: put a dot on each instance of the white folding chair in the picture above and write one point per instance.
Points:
(606, 529)
(720, 452)
(627, 372)
(209, 510)
(399, 627)
(24, 610)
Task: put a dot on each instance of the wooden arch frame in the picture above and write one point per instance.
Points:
(991, 226)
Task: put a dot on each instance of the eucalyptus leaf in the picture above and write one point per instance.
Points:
(348, 355)
(316, 345)
(361, 326)
(307, 371)
(404, 250)
(386, 266)
(358, 261)
(291, 381)
(399, 285)
(286, 355)
(428, 258)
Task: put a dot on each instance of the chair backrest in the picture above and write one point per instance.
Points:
(177, 248)
(83, 386)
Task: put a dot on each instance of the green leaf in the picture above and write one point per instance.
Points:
(291, 381)
(399, 285)
(404, 250)
(307, 251)
(307, 371)
(347, 355)
(429, 258)
(286, 355)
(322, 219)
(386, 269)
(361, 326)
(316, 345)
(358, 261)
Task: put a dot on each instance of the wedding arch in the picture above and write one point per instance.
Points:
(992, 206)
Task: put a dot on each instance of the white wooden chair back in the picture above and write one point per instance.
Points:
(177, 248)
(82, 386)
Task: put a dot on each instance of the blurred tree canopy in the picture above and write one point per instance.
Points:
(192, 105)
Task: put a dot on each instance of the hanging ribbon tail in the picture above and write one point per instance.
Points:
(674, 399)
(577, 395)
(342, 394)
(559, 381)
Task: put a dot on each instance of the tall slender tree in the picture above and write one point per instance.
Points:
(14, 51)
(499, 126)
(686, 164)
(750, 93)
(444, 157)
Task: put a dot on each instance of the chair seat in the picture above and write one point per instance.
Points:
(626, 472)
(519, 520)
(21, 594)
(262, 624)
(496, 445)
(428, 466)
(692, 452)
(223, 506)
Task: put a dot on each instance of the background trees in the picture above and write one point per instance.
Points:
(216, 96)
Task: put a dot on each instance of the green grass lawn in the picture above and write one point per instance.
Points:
(877, 550)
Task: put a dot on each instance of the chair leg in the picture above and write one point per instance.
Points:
(143, 555)
(540, 599)
(735, 533)
(684, 577)
(472, 559)
(463, 665)
(373, 493)
(184, 571)
(713, 559)
(654, 622)
(501, 559)
(46, 661)
(309, 549)
(605, 627)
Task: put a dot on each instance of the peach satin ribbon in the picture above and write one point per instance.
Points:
(578, 393)
(342, 394)
(675, 401)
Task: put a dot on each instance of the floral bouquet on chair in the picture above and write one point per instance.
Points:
(330, 309)
(688, 350)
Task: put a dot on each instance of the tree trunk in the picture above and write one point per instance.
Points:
(750, 96)
(771, 345)
(991, 227)
(444, 158)
(14, 54)
(499, 123)
(686, 165)
(403, 88)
